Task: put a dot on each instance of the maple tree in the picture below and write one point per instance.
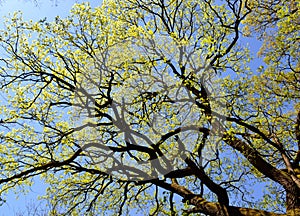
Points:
(152, 107)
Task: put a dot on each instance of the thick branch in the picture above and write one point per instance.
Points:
(209, 208)
(257, 161)
(215, 188)
(297, 133)
(252, 155)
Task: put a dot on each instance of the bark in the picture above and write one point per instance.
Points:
(216, 209)
(293, 201)
(201, 205)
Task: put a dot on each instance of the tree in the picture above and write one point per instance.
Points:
(151, 106)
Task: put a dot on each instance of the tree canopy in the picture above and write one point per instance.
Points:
(153, 107)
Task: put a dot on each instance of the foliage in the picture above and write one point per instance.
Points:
(151, 107)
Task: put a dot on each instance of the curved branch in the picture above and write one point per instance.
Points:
(209, 208)
(44, 167)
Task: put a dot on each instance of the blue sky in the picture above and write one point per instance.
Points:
(45, 8)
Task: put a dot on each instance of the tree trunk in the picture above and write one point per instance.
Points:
(293, 201)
